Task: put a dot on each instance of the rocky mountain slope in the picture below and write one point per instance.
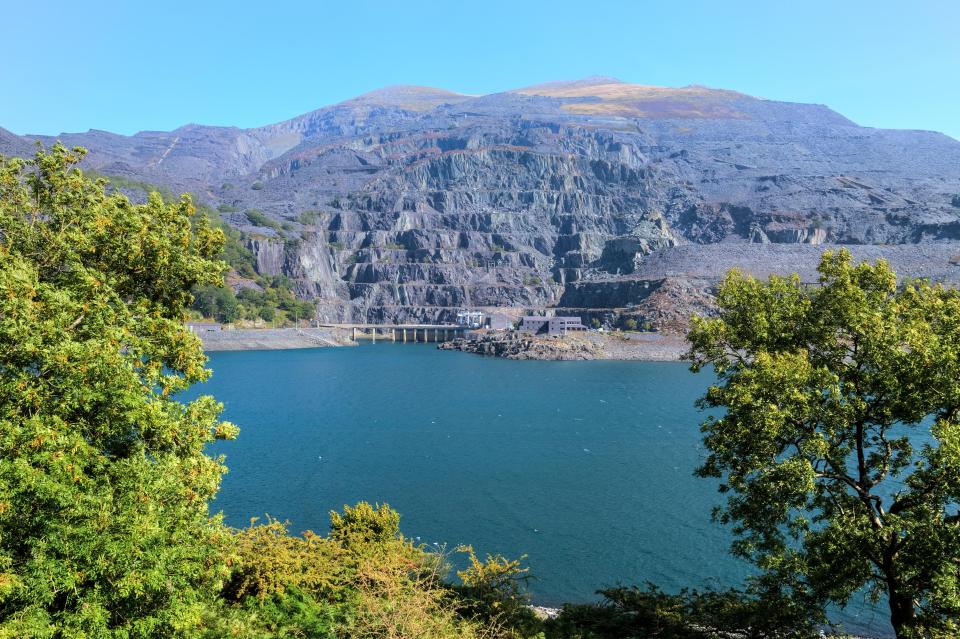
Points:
(412, 202)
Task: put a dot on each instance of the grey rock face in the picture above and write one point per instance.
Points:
(427, 201)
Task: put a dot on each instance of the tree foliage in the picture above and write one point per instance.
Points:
(839, 441)
(104, 529)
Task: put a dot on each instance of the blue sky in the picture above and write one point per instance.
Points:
(127, 66)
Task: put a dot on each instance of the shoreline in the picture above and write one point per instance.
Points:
(618, 346)
(641, 347)
(271, 339)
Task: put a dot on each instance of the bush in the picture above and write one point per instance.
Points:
(269, 561)
(495, 593)
(309, 218)
(364, 524)
(258, 218)
(216, 302)
(650, 612)
(362, 580)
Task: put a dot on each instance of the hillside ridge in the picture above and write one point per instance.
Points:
(410, 202)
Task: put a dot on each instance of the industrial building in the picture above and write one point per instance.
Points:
(550, 326)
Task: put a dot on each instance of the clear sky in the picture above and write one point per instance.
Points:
(132, 65)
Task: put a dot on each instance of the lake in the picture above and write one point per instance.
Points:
(585, 467)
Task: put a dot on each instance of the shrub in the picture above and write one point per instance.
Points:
(650, 612)
(309, 218)
(364, 524)
(494, 592)
(258, 218)
(269, 561)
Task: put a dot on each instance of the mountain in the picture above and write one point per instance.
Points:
(413, 202)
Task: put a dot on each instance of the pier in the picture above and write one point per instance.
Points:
(412, 333)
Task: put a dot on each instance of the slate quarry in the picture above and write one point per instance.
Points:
(411, 203)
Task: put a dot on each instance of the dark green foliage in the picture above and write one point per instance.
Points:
(216, 302)
(627, 613)
(275, 297)
(258, 218)
(295, 614)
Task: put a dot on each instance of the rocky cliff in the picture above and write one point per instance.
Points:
(410, 202)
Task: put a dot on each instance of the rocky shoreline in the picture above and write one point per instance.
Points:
(271, 339)
(590, 346)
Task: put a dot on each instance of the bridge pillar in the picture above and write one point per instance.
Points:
(353, 333)
(373, 334)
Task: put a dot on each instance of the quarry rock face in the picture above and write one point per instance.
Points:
(411, 203)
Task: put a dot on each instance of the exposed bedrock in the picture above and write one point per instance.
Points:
(409, 203)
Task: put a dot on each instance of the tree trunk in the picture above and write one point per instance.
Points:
(903, 614)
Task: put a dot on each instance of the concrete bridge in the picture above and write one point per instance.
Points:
(403, 332)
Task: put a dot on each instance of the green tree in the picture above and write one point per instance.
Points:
(104, 527)
(839, 441)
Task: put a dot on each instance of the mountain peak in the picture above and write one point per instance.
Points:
(605, 96)
(409, 97)
(569, 85)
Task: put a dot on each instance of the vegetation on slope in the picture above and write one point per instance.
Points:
(261, 298)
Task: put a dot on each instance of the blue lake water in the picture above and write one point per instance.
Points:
(585, 467)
